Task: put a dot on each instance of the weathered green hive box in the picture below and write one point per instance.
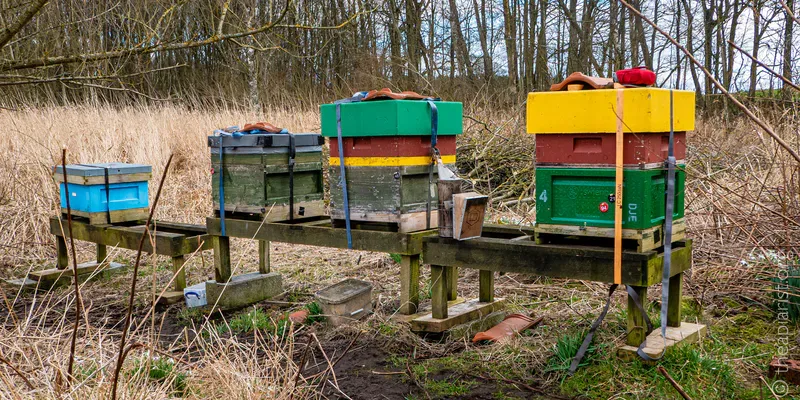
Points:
(391, 118)
(585, 197)
(256, 178)
(386, 150)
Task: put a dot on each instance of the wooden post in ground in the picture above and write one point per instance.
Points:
(102, 253)
(222, 259)
(409, 284)
(180, 272)
(263, 257)
(452, 283)
(486, 288)
(674, 304)
(439, 291)
(636, 325)
(61, 249)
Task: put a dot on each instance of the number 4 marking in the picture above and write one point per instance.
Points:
(543, 196)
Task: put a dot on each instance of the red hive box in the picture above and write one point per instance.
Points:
(392, 146)
(598, 149)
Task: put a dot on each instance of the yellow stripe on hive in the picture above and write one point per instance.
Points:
(389, 161)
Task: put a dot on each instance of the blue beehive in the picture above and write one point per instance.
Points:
(106, 193)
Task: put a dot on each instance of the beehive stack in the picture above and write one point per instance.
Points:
(105, 193)
(575, 162)
(256, 179)
(388, 165)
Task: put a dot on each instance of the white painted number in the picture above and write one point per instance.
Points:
(543, 196)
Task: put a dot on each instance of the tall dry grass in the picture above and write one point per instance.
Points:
(742, 208)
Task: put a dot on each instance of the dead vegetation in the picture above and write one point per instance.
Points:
(742, 206)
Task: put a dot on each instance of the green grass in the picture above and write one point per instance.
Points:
(255, 319)
(725, 365)
(786, 298)
(314, 313)
(161, 370)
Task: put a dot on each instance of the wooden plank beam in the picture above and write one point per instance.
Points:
(369, 240)
(588, 263)
(467, 311)
(127, 237)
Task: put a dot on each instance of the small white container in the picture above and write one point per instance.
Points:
(195, 295)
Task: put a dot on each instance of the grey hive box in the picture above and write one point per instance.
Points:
(346, 301)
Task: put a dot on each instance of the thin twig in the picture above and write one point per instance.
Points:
(674, 384)
(789, 11)
(783, 78)
(13, 368)
(769, 387)
(300, 366)
(121, 356)
(719, 86)
(78, 301)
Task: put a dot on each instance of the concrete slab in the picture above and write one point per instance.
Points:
(686, 333)
(171, 297)
(244, 290)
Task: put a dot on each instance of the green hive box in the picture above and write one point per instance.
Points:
(393, 195)
(256, 175)
(391, 118)
(573, 196)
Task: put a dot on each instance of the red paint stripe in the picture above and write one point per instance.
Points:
(392, 146)
(600, 148)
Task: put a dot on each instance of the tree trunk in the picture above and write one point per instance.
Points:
(510, 36)
(787, 50)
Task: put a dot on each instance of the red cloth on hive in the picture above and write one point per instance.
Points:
(639, 76)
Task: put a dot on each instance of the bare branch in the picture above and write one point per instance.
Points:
(142, 49)
(789, 11)
(733, 99)
(26, 17)
(783, 78)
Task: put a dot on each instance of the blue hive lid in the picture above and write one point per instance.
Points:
(114, 168)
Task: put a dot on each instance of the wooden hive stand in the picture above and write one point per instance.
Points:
(511, 249)
(319, 231)
(170, 239)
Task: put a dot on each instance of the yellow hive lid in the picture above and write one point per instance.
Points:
(593, 111)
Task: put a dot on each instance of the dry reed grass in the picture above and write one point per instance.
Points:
(742, 209)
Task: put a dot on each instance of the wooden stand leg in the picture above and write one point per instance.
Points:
(102, 253)
(674, 304)
(439, 291)
(180, 272)
(263, 257)
(636, 324)
(61, 249)
(452, 283)
(409, 284)
(222, 258)
(486, 288)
